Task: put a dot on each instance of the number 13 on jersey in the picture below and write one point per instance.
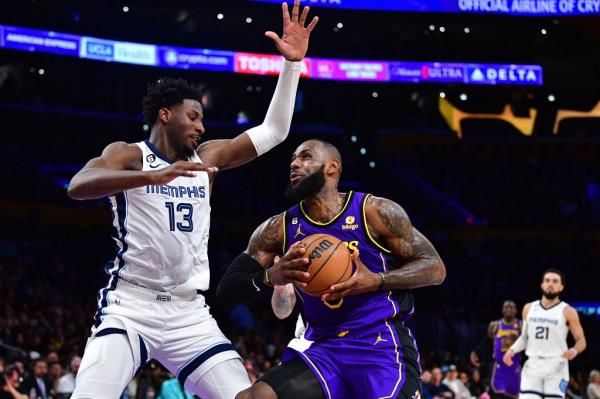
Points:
(186, 210)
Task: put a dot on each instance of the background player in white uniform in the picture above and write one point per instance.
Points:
(544, 338)
(159, 190)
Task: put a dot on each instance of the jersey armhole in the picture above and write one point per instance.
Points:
(364, 216)
(284, 241)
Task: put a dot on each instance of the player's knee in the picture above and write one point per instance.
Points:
(259, 390)
(245, 394)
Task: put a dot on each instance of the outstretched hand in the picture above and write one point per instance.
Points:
(363, 280)
(294, 42)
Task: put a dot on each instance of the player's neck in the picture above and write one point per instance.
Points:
(325, 205)
(549, 302)
(508, 320)
(160, 141)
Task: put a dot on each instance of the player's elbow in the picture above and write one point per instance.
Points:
(439, 274)
(582, 344)
(74, 190)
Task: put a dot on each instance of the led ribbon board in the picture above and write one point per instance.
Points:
(508, 7)
(85, 47)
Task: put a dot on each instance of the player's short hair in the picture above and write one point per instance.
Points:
(166, 92)
(332, 150)
(553, 270)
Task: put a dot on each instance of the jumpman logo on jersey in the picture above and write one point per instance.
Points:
(298, 231)
(379, 339)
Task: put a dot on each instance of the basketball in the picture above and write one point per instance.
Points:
(329, 263)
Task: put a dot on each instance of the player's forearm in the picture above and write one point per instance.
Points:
(283, 300)
(520, 344)
(242, 282)
(92, 183)
(278, 119)
(419, 273)
(580, 345)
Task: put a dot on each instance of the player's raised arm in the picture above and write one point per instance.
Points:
(119, 169)
(256, 141)
(248, 275)
(577, 331)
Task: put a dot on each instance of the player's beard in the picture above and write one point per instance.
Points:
(308, 186)
(550, 295)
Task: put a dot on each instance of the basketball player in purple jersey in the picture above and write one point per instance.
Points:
(505, 380)
(359, 345)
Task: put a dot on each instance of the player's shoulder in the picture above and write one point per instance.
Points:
(122, 148)
(269, 234)
(528, 305)
(276, 220)
(128, 154)
(273, 225)
(382, 208)
(568, 309)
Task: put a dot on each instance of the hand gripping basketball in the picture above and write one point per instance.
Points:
(363, 280)
(288, 269)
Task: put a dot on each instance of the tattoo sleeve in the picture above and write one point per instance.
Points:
(391, 226)
(266, 241)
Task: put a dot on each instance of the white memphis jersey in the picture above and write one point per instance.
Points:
(162, 231)
(546, 330)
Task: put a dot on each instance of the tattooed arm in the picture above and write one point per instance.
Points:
(264, 245)
(266, 242)
(283, 300)
(389, 225)
(247, 276)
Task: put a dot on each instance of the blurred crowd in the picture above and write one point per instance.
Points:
(48, 304)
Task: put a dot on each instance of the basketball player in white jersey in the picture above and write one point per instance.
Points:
(544, 339)
(152, 307)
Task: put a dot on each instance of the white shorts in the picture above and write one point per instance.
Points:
(178, 332)
(544, 378)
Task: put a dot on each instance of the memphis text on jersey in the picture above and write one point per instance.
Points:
(177, 191)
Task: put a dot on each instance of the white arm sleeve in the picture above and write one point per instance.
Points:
(276, 125)
(521, 342)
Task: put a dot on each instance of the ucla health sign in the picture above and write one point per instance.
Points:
(510, 7)
(125, 52)
(93, 48)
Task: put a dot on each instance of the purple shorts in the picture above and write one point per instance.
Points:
(506, 380)
(381, 361)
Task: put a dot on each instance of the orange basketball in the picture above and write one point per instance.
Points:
(329, 263)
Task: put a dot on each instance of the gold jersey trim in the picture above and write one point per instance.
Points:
(364, 205)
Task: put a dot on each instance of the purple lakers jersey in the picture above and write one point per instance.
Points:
(506, 335)
(338, 318)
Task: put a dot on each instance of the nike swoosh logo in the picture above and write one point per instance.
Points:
(255, 286)
(155, 166)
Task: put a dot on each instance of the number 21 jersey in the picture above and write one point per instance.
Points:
(546, 330)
